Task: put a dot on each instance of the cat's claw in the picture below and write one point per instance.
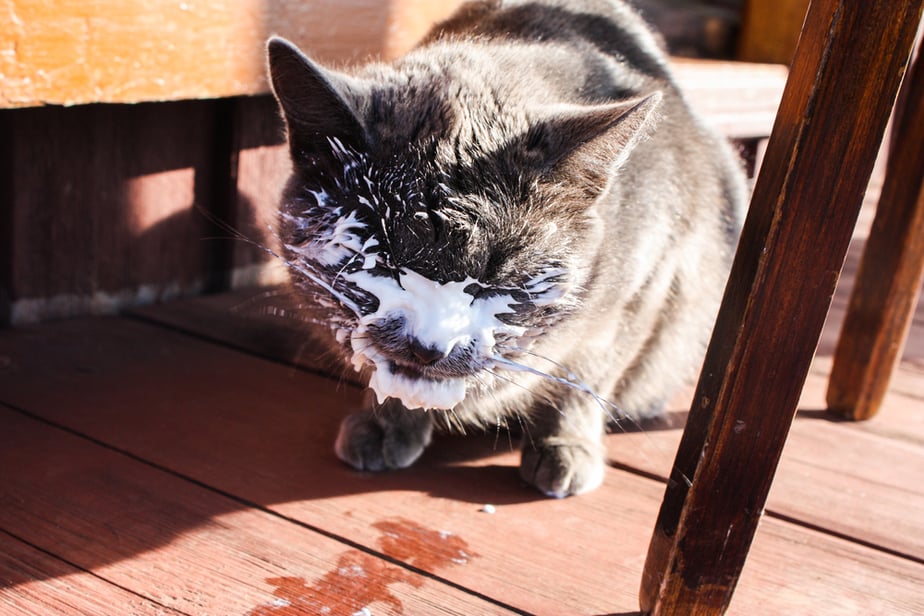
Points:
(560, 469)
(368, 444)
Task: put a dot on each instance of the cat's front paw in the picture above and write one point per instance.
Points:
(368, 442)
(560, 468)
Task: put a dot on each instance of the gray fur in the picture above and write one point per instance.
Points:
(519, 137)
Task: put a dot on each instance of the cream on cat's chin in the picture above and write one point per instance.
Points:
(414, 393)
(439, 315)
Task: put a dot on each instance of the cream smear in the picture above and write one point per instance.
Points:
(440, 316)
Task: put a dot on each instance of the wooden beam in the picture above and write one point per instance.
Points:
(841, 88)
(77, 51)
(889, 279)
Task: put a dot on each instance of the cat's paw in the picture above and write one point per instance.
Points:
(371, 443)
(561, 468)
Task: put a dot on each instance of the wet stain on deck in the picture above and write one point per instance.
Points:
(360, 579)
(422, 547)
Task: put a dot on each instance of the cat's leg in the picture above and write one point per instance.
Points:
(387, 437)
(563, 452)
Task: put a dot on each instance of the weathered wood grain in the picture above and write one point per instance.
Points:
(71, 52)
(770, 30)
(845, 73)
(889, 279)
(834, 475)
(261, 167)
(824, 468)
(101, 206)
(34, 582)
(163, 540)
(263, 432)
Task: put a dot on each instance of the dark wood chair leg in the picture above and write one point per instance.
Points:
(889, 279)
(845, 74)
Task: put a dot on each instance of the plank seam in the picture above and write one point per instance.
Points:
(770, 512)
(93, 574)
(195, 334)
(256, 506)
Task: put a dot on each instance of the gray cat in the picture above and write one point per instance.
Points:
(519, 213)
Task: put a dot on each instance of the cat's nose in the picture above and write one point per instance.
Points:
(425, 354)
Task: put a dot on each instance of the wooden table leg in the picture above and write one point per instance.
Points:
(845, 74)
(889, 279)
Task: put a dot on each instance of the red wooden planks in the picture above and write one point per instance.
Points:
(263, 432)
(179, 545)
(35, 582)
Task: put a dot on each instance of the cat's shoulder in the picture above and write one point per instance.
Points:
(612, 27)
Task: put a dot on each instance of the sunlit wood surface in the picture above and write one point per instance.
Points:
(178, 460)
(119, 51)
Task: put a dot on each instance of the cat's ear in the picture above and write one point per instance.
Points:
(592, 142)
(314, 103)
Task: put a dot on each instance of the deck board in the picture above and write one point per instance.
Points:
(35, 582)
(176, 544)
(261, 432)
(828, 468)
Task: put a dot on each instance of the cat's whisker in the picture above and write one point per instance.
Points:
(615, 420)
(304, 268)
(549, 402)
(459, 422)
(602, 402)
(487, 388)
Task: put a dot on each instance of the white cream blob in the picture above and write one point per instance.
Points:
(439, 316)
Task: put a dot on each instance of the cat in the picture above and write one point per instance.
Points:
(520, 213)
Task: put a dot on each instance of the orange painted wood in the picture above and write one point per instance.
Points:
(770, 30)
(845, 73)
(263, 433)
(183, 546)
(74, 51)
(889, 280)
(34, 582)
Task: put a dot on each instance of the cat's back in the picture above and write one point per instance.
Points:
(608, 30)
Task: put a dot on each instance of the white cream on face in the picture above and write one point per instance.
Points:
(439, 316)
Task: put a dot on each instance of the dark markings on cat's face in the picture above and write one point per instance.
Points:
(434, 227)
(476, 225)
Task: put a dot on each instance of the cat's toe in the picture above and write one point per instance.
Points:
(368, 444)
(560, 469)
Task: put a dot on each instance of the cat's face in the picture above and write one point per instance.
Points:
(434, 242)
(420, 281)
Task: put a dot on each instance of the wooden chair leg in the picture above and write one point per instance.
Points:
(845, 74)
(889, 279)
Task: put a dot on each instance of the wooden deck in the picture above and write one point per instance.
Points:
(178, 460)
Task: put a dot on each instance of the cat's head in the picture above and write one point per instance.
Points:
(437, 219)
